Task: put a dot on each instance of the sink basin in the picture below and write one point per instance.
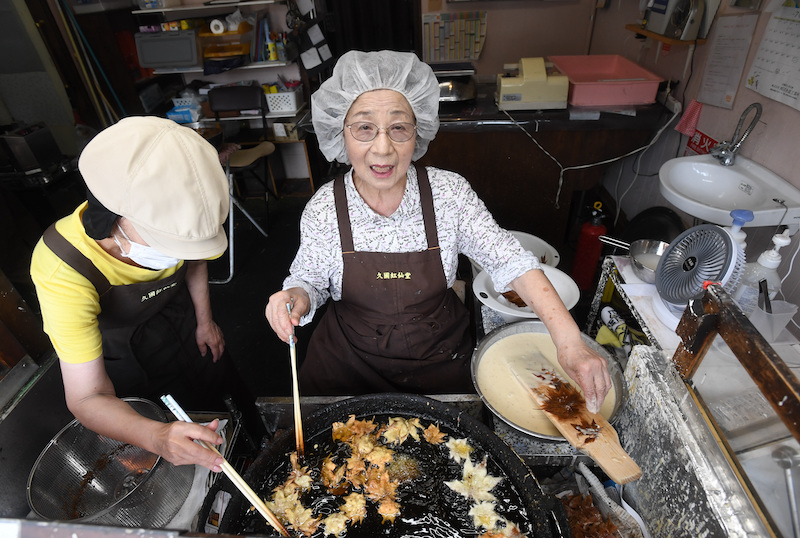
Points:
(703, 188)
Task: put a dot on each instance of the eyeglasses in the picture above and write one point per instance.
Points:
(365, 131)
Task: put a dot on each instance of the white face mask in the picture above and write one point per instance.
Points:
(145, 256)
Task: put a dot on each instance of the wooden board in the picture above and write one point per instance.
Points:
(591, 433)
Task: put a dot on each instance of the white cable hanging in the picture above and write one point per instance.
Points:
(563, 169)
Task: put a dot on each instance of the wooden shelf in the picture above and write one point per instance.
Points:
(658, 37)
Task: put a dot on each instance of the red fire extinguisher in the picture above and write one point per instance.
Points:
(587, 255)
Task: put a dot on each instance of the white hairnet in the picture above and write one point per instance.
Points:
(357, 72)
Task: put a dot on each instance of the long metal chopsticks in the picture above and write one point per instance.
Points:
(298, 422)
(229, 471)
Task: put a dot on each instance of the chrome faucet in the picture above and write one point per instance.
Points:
(725, 151)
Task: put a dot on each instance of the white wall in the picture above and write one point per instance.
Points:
(523, 29)
(772, 144)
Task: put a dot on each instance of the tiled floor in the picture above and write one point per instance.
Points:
(260, 265)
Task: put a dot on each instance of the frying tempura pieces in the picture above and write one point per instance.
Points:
(368, 470)
(363, 476)
(433, 435)
(398, 430)
(459, 449)
(475, 483)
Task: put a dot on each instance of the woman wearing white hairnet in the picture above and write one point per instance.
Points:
(383, 243)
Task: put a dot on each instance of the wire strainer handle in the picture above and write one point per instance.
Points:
(614, 242)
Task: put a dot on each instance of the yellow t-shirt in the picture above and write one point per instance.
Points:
(69, 302)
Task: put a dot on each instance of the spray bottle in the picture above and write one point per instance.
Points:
(746, 295)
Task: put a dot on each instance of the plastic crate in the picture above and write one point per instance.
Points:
(285, 101)
(607, 80)
(184, 101)
(167, 50)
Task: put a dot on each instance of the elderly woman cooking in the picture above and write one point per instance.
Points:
(383, 243)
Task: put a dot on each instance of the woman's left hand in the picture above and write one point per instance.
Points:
(588, 369)
(209, 336)
(579, 361)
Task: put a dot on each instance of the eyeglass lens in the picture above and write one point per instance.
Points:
(365, 131)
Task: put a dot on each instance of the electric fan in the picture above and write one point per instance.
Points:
(700, 254)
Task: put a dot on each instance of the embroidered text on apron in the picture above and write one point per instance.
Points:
(397, 327)
(148, 332)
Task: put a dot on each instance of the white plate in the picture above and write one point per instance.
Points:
(539, 247)
(566, 288)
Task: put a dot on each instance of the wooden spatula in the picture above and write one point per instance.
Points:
(590, 432)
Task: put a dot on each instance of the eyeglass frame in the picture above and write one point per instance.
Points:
(385, 129)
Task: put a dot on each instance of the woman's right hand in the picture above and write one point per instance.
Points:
(278, 316)
(176, 444)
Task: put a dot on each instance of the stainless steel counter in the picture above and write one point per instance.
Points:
(688, 487)
(34, 412)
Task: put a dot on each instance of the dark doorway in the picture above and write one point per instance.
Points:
(370, 25)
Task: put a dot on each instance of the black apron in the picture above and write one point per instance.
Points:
(397, 327)
(148, 330)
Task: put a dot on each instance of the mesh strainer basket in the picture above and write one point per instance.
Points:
(84, 477)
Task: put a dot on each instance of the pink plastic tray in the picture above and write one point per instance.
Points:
(607, 80)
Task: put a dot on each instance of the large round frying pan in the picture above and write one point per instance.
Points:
(545, 514)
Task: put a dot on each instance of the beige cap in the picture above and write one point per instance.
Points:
(166, 179)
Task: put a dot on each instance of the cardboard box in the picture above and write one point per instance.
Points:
(285, 132)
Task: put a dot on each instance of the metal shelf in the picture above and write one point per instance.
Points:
(270, 115)
(199, 68)
(637, 28)
(205, 7)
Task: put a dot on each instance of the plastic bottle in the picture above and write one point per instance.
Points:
(589, 248)
(746, 295)
(279, 43)
(740, 217)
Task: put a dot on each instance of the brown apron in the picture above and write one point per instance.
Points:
(148, 331)
(397, 327)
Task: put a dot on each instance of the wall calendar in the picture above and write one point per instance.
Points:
(775, 72)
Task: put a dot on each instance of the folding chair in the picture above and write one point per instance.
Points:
(243, 161)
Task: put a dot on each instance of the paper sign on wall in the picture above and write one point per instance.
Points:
(775, 72)
(726, 60)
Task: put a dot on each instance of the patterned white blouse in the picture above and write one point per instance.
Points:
(464, 225)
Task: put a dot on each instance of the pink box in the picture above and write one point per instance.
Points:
(607, 80)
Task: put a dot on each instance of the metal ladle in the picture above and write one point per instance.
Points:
(787, 457)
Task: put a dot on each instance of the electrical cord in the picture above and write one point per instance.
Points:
(638, 161)
(563, 168)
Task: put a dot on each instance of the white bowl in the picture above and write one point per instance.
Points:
(540, 248)
(484, 290)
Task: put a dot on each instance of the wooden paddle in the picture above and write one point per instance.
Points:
(589, 432)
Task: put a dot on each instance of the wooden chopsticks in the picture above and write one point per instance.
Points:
(298, 422)
(229, 471)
